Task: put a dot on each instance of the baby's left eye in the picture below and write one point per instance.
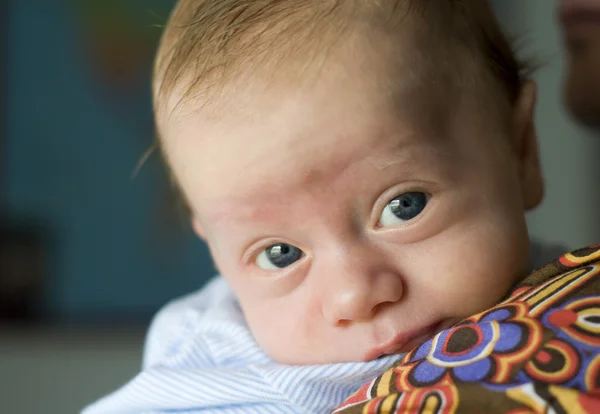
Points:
(278, 256)
(403, 208)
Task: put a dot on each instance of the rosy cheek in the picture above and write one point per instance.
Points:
(282, 328)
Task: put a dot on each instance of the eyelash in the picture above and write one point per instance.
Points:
(256, 249)
(386, 198)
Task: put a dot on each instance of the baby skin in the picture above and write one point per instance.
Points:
(350, 221)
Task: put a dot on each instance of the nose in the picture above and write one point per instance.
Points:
(360, 282)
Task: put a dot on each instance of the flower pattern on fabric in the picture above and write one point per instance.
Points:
(536, 352)
(484, 348)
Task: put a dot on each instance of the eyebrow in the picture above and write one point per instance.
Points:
(402, 154)
(247, 213)
(406, 154)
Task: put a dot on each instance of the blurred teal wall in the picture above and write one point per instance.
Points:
(72, 143)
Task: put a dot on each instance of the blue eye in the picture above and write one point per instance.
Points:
(405, 207)
(278, 256)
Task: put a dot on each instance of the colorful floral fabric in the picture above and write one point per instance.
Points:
(536, 352)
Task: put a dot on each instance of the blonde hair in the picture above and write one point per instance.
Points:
(206, 41)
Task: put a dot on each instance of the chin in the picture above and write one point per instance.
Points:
(583, 108)
(586, 117)
(308, 357)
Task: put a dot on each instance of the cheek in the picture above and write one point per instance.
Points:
(286, 328)
(475, 263)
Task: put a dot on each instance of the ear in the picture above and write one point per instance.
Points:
(526, 147)
(198, 229)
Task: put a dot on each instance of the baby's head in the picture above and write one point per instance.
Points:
(359, 169)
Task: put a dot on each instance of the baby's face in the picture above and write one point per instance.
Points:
(346, 230)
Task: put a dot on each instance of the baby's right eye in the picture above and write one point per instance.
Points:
(403, 208)
(278, 256)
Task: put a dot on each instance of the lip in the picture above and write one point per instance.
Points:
(403, 342)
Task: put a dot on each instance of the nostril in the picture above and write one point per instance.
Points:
(343, 323)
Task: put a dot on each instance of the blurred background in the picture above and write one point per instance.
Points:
(89, 252)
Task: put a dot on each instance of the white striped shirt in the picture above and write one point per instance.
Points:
(200, 357)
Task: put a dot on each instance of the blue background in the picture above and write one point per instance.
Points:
(69, 151)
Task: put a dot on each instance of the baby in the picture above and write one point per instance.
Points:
(360, 171)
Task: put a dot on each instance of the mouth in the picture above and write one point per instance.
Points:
(403, 342)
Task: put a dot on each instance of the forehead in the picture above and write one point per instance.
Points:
(280, 134)
(298, 135)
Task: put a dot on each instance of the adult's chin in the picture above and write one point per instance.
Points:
(582, 101)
